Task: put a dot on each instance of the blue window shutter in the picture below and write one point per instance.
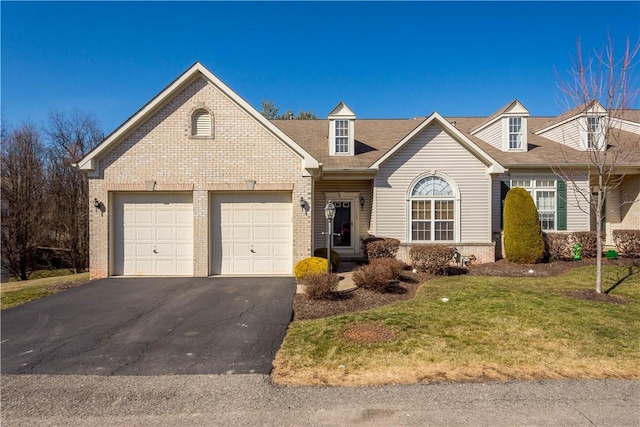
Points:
(562, 205)
(504, 189)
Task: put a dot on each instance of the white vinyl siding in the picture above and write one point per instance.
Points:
(568, 134)
(362, 215)
(433, 151)
(492, 134)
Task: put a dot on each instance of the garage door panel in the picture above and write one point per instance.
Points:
(143, 233)
(261, 232)
(251, 221)
(151, 231)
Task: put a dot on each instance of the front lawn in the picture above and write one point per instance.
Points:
(485, 328)
(19, 292)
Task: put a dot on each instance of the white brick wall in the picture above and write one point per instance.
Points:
(162, 150)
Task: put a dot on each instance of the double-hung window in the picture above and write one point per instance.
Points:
(432, 210)
(543, 192)
(515, 133)
(342, 136)
(594, 133)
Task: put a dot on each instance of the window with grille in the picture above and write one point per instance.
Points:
(515, 133)
(432, 207)
(342, 136)
(543, 192)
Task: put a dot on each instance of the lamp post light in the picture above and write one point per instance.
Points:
(330, 214)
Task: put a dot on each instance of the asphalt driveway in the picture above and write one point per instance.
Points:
(158, 326)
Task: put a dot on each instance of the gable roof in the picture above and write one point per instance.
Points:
(569, 115)
(515, 104)
(197, 70)
(372, 137)
(341, 110)
(494, 166)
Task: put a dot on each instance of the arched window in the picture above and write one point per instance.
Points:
(432, 204)
(201, 123)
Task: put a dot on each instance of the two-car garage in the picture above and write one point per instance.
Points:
(248, 234)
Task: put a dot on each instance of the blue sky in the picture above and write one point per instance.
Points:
(385, 60)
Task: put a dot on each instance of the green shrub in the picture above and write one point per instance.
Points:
(394, 265)
(376, 277)
(628, 242)
(335, 257)
(320, 285)
(309, 265)
(380, 247)
(523, 241)
(431, 258)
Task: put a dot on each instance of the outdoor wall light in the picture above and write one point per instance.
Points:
(96, 203)
(361, 202)
(303, 203)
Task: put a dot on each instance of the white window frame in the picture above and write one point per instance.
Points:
(518, 135)
(536, 187)
(433, 199)
(341, 136)
(594, 139)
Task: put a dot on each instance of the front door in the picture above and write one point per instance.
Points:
(343, 225)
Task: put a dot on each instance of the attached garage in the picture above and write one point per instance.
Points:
(153, 234)
(251, 233)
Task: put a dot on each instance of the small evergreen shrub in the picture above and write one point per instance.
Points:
(335, 257)
(385, 247)
(309, 265)
(376, 277)
(589, 243)
(432, 259)
(523, 241)
(320, 285)
(627, 242)
(394, 265)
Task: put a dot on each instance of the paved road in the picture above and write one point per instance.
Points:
(151, 327)
(250, 400)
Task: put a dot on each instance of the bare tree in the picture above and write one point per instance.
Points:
(71, 136)
(601, 88)
(272, 112)
(23, 199)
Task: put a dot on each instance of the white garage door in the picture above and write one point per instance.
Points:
(153, 235)
(251, 233)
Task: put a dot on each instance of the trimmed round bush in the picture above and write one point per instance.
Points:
(523, 240)
(394, 265)
(309, 265)
(335, 257)
(376, 277)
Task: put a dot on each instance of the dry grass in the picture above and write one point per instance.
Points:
(16, 293)
(490, 328)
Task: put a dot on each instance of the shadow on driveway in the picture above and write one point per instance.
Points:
(159, 326)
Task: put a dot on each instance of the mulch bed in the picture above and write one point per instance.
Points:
(363, 299)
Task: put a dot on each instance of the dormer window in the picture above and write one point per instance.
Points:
(201, 123)
(594, 133)
(515, 133)
(342, 136)
(341, 131)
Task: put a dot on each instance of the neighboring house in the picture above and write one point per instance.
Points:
(198, 182)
